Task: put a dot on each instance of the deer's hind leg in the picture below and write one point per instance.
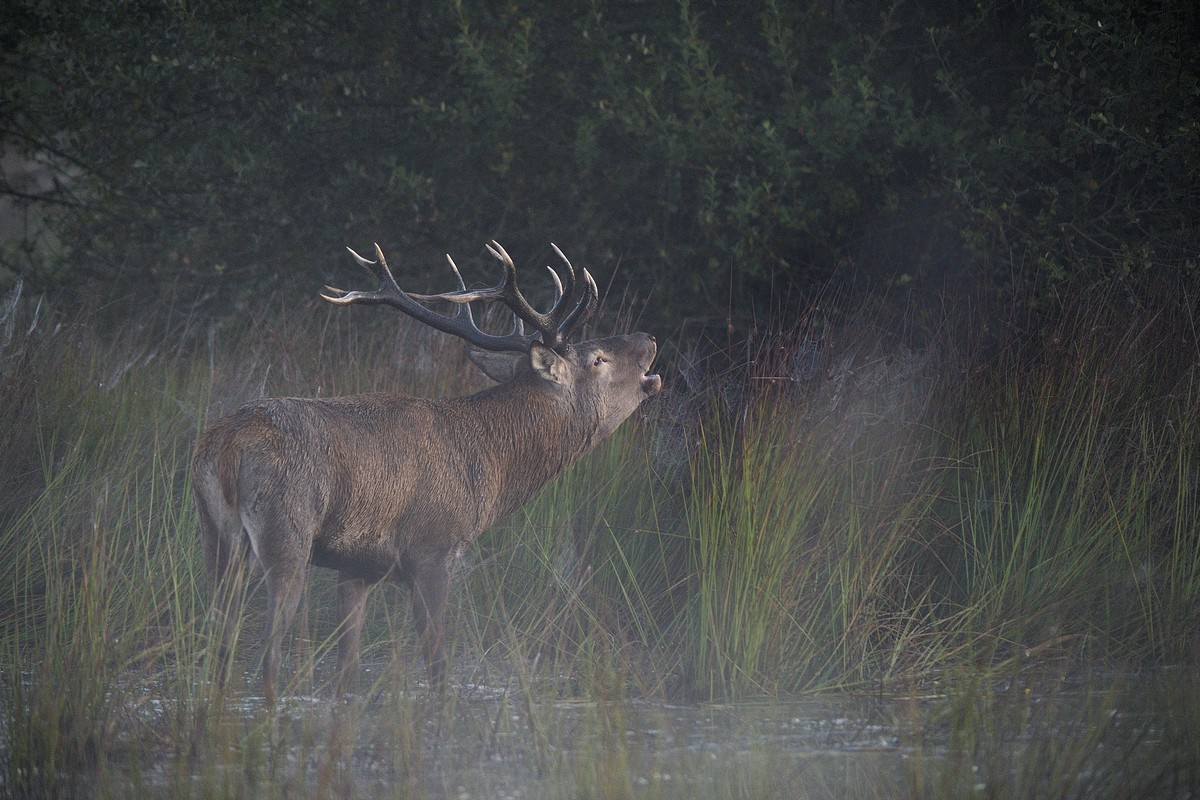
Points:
(282, 550)
(227, 561)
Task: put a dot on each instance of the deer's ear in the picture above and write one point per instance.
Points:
(547, 364)
(500, 367)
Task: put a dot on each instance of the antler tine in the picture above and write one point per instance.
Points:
(363, 262)
(558, 287)
(462, 287)
(459, 295)
(379, 269)
(584, 309)
(569, 289)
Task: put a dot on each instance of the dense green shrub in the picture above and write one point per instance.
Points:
(719, 157)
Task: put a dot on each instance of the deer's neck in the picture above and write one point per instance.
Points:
(529, 436)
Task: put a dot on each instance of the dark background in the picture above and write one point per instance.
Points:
(719, 161)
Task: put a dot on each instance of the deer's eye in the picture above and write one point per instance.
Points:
(599, 360)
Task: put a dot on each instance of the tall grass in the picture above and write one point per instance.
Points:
(805, 536)
(1073, 503)
(842, 510)
(94, 546)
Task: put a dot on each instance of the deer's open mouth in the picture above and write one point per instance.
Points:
(651, 383)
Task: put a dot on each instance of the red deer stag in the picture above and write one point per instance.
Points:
(384, 486)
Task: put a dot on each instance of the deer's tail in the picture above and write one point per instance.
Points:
(215, 468)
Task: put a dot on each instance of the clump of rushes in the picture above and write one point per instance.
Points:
(94, 553)
(1072, 506)
(803, 515)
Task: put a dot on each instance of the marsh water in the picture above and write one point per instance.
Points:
(993, 739)
(497, 746)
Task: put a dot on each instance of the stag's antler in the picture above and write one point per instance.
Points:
(554, 326)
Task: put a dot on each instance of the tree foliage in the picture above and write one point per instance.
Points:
(716, 156)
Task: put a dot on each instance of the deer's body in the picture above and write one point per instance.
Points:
(385, 486)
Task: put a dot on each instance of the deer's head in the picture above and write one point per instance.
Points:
(602, 379)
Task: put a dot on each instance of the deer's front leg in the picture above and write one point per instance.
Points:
(430, 584)
(352, 606)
